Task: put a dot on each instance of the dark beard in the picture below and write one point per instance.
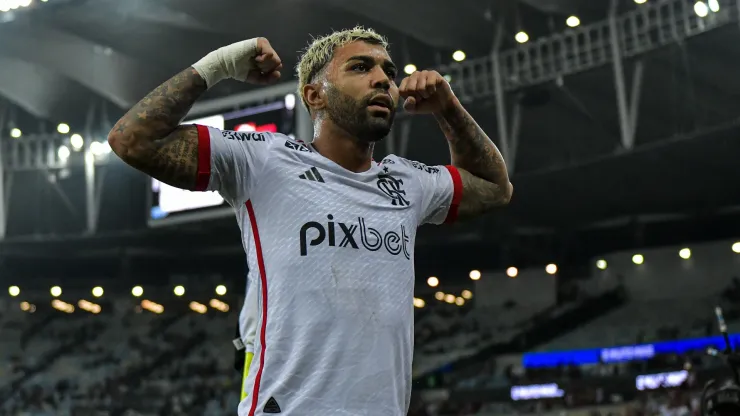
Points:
(353, 116)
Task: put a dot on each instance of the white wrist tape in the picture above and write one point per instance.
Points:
(232, 61)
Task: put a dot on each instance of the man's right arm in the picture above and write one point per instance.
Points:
(149, 137)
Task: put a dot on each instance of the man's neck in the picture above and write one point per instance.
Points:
(342, 148)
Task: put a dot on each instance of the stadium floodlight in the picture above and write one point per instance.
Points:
(701, 9)
(572, 21)
(447, 77)
(439, 295)
(14, 291)
(684, 253)
(97, 291)
(433, 281)
(474, 275)
(521, 37)
(220, 290)
(24, 3)
(512, 272)
(76, 141)
(551, 268)
(713, 5)
(63, 128)
(16, 133)
(638, 259)
(56, 291)
(601, 264)
(289, 101)
(179, 290)
(63, 153)
(640, 1)
(449, 298)
(409, 69)
(459, 301)
(466, 294)
(137, 291)
(419, 303)
(736, 247)
(458, 56)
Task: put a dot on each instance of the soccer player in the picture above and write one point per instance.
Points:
(328, 232)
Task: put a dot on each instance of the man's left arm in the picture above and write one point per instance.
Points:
(482, 169)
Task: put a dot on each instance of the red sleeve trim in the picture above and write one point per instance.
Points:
(456, 194)
(204, 158)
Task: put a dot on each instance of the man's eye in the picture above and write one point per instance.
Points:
(360, 67)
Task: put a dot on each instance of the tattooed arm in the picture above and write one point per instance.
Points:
(482, 169)
(148, 137)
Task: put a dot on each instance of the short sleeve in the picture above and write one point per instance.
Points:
(229, 160)
(440, 190)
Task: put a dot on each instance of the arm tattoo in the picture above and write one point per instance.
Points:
(485, 180)
(148, 138)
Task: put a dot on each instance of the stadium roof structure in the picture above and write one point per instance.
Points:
(626, 123)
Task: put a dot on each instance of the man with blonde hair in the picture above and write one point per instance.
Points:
(328, 232)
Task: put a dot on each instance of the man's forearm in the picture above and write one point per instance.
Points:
(470, 147)
(161, 111)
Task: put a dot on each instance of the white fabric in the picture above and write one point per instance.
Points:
(339, 309)
(231, 61)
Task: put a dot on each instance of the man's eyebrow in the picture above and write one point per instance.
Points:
(370, 60)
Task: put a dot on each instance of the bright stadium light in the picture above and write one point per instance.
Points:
(684, 253)
(220, 290)
(458, 56)
(14, 291)
(713, 5)
(56, 291)
(640, 1)
(701, 9)
(447, 77)
(76, 141)
(449, 298)
(466, 294)
(439, 295)
(179, 290)
(419, 303)
(137, 291)
(601, 264)
(16, 133)
(474, 275)
(63, 153)
(63, 128)
(97, 291)
(433, 281)
(512, 272)
(572, 21)
(409, 69)
(24, 3)
(521, 37)
(638, 259)
(289, 101)
(551, 268)
(736, 247)
(459, 301)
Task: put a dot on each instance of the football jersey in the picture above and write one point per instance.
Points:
(330, 254)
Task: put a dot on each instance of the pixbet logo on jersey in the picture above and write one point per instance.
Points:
(394, 243)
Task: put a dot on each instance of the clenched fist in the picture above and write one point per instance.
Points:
(426, 92)
(266, 64)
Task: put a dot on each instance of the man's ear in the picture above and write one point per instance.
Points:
(314, 96)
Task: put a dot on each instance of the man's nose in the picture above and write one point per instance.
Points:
(380, 80)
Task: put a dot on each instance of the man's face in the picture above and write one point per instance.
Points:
(362, 94)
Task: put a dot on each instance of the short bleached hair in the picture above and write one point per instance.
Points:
(321, 51)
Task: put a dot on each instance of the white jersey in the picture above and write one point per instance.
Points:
(331, 260)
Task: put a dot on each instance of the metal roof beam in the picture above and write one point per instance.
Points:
(110, 74)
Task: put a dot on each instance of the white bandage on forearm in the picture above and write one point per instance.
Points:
(232, 61)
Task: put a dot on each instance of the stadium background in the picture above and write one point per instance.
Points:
(619, 128)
